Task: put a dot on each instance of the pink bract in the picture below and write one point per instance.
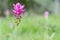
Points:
(46, 13)
(18, 9)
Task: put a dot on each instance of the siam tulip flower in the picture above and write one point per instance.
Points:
(46, 14)
(18, 9)
(7, 12)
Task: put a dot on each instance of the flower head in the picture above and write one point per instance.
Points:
(18, 9)
(46, 14)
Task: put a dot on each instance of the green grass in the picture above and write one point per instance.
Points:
(30, 28)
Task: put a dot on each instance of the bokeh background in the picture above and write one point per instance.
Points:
(33, 23)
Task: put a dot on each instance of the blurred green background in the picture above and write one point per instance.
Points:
(33, 23)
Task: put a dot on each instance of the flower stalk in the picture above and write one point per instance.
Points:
(18, 20)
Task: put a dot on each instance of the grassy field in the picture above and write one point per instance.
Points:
(30, 28)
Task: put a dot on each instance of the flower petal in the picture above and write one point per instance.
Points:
(14, 11)
(22, 7)
(14, 5)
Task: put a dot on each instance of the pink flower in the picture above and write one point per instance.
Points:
(18, 9)
(46, 14)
